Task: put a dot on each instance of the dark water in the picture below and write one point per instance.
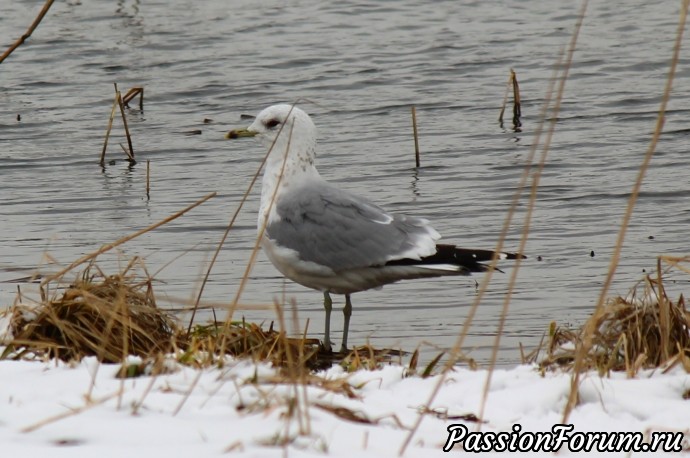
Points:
(361, 65)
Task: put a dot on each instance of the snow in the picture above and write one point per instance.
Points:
(244, 409)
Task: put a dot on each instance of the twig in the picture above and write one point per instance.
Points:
(262, 230)
(148, 178)
(133, 92)
(517, 110)
(615, 257)
(533, 192)
(257, 244)
(129, 156)
(416, 138)
(118, 94)
(228, 228)
(107, 132)
(505, 98)
(186, 396)
(488, 275)
(28, 33)
(53, 419)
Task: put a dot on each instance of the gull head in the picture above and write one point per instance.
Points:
(284, 124)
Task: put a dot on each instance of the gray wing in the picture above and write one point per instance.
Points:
(340, 230)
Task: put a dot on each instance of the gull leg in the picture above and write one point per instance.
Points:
(328, 306)
(347, 312)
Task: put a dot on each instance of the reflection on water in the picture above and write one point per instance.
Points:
(360, 67)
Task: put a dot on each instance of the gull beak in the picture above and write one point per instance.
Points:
(240, 133)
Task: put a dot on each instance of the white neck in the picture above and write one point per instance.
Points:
(283, 173)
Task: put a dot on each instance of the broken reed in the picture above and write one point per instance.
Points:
(131, 94)
(121, 103)
(416, 138)
(148, 178)
(517, 106)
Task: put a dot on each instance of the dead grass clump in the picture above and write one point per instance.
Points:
(105, 316)
(114, 316)
(250, 340)
(638, 332)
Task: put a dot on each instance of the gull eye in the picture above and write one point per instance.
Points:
(271, 123)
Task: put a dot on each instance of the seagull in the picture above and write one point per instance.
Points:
(334, 241)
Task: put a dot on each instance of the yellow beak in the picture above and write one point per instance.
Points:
(239, 133)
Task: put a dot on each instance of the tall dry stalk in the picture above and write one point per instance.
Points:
(456, 349)
(230, 225)
(46, 280)
(416, 137)
(107, 132)
(28, 33)
(255, 250)
(615, 257)
(129, 152)
(536, 177)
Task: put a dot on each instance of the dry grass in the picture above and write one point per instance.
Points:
(108, 316)
(644, 330)
(249, 340)
(114, 316)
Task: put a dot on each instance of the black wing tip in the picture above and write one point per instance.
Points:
(469, 260)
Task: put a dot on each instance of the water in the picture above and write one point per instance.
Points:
(362, 65)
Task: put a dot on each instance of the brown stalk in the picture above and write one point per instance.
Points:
(416, 137)
(148, 179)
(257, 244)
(28, 33)
(532, 199)
(188, 393)
(229, 227)
(127, 238)
(456, 349)
(505, 98)
(130, 154)
(664, 313)
(133, 92)
(615, 257)
(69, 413)
(295, 372)
(517, 110)
(107, 132)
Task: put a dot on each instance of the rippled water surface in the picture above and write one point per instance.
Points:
(361, 66)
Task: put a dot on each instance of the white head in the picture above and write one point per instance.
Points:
(294, 133)
(291, 126)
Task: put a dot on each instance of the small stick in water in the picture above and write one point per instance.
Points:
(148, 178)
(517, 112)
(107, 132)
(124, 121)
(416, 138)
(135, 91)
(505, 98)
